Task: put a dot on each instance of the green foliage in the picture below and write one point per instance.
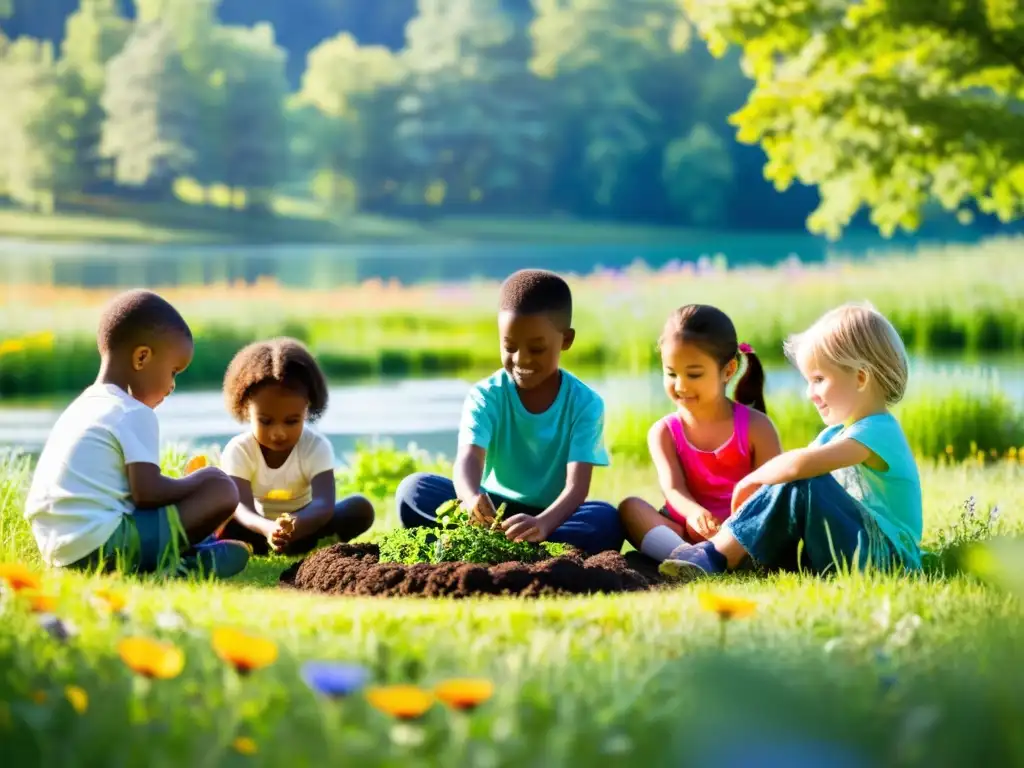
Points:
(376, 470)
(697, 171)
(885, 104)
(459, 541)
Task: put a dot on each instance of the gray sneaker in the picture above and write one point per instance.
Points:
(219, 559)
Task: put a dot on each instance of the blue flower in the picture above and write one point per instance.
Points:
(334, 679)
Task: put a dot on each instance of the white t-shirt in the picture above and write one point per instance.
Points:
(312, 455)
(80, 488)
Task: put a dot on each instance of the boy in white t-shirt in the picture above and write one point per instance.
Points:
(284, 470)
(98, 498)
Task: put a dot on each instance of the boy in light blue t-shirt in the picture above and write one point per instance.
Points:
(530, 435)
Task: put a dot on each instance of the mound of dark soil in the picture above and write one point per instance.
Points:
(353, 569)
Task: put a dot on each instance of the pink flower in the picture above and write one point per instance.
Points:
(746, 349)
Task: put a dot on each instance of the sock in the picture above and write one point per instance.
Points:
(659, 542)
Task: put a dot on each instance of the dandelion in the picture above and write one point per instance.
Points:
(334, 680)
(77, 698)
(726, 607)
(243, 745)
(245, 653)
(404, 702)
(19, 577)
(464, 694)
(151, 658)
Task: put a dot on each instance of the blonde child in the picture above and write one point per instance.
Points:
(709, 443)
(853, 497)
(283, 469)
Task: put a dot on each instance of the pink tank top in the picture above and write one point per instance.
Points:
(712, 475)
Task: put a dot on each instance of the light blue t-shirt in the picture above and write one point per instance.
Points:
(893, 496)
(527, 453)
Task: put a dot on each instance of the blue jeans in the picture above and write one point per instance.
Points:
(834, 528)
(594, 527)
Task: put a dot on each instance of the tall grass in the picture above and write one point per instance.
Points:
(963, 300)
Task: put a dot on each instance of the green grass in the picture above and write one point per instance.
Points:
(833, 666)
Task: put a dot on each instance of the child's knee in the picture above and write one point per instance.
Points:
(359, 510)
(224, 493)
(630, 507)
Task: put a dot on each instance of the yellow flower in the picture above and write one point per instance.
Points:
(151, 658)
(949, 449)
(243, 745)
(405, 702)
(245, 653)
(78, 698)
(41, 602)
(727, 607)
(195, 464)
(464, 693)
(110, 599)
(19, 577)
(279, 494)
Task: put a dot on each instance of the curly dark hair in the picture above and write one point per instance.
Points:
(536, 291)
(136, 318)
(281, 361)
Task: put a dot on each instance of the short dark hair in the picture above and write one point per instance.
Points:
(282, 361)
(536, 291)
(134, 318)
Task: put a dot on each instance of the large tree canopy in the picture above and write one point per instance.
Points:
(884, 104)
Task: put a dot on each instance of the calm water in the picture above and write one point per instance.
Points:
(426, 412)
(106, 266)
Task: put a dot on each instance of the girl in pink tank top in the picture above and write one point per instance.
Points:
(711, 442)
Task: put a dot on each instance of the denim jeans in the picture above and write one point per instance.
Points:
(594, 527)
(833, 527)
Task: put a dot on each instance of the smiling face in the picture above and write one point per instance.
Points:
(155, 368)
(839, 394)
(277, 415)
(531, 347)
(692, 377)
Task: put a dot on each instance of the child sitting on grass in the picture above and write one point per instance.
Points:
(531, 434)
(710, 442)
(853, 497)
(98, 498)
(283, 469)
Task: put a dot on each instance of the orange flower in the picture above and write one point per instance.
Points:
(727, 607)
(78, 698)
(243, 745)
(110, 599)
(405, 702)
(196, 463)
(151, 658)
(40, 602)
(244, 652)
(464, 693)
(19, 577)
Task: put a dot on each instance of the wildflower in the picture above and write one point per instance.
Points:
(334, 680)
(464, 694)
(170, 621)
(405, 702)
(151, 658)
(243, 745)
(57, 628)
(19, 577)
(726, 607)
(949, 449)
(41, 602)
(196, 463)
(78, 698)
(244, 652)
(279, 494)
(109, 600)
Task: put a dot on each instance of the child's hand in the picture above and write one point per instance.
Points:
(526, 528)
(744, 489)
(703, 523)
(481, 510)
(281, 532)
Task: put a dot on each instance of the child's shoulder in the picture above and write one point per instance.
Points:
(579, 392)
(109, 406)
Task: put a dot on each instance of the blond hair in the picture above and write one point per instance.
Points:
(857, 337)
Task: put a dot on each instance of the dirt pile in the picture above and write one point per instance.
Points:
(353, 569)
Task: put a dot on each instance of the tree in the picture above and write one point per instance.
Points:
(152, 126)
(884, 104)
(697, 172)
(472, 127)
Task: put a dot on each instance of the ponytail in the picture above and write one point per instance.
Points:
(750, 387)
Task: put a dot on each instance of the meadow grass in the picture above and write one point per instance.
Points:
(957, 299)
(870, 669)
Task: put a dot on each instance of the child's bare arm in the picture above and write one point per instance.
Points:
(812, 461)
(673, 481)
(467, 474)
(150, 488)
(245, 512)
(315, 515)
(764, 439)
(577, 487)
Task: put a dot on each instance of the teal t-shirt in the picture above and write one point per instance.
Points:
(528, 453)
(893, 496)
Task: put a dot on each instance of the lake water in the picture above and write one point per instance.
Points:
(116, 266)
(426, 412)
